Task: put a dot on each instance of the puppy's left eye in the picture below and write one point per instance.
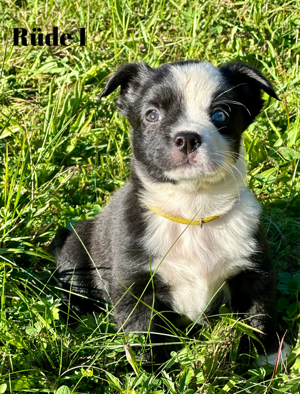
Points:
(153, 116)
(220, 117)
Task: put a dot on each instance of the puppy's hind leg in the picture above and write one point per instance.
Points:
(76, 272)
(254, 295)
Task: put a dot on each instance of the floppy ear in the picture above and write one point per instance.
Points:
(248, 82)
(126, 75)
(130, 78)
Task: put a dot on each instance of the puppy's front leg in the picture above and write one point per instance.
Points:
(138, 309)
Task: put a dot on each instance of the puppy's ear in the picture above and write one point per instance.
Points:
(130, 77)
(126, 75)
(249, 75)
(247, 83)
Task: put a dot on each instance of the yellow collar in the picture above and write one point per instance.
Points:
(178, 219)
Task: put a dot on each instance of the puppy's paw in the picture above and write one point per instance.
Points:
(270, 359)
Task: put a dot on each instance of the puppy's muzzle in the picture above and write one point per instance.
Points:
(187, 142)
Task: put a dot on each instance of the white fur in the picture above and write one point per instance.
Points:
(198, 81)
(271, 358)
(195, 261)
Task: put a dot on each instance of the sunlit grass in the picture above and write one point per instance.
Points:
(63, 153)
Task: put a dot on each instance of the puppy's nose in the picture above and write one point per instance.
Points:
(187, 142)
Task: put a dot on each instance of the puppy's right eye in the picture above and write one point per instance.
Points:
(153, 116)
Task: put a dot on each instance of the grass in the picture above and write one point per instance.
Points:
(63, 154)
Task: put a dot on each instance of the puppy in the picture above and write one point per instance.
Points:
(185, 225)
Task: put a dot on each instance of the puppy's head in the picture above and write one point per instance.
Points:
(187, 118)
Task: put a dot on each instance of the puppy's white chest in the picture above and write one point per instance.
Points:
(195, 262)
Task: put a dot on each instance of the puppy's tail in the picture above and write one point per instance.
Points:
(59, 241)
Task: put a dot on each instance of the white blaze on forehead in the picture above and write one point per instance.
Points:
(198, 82)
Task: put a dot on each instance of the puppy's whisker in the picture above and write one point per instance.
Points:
(220, 128)
(227, 168)
(236, 154)
(233, 102)
(233, 155)
(232, 174)
(225, 103)
(228, 90)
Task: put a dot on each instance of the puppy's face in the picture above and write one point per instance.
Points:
(187, 118)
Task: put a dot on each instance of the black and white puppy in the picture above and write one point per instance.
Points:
(186, 213)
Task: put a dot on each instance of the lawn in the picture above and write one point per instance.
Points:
(63, 153)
